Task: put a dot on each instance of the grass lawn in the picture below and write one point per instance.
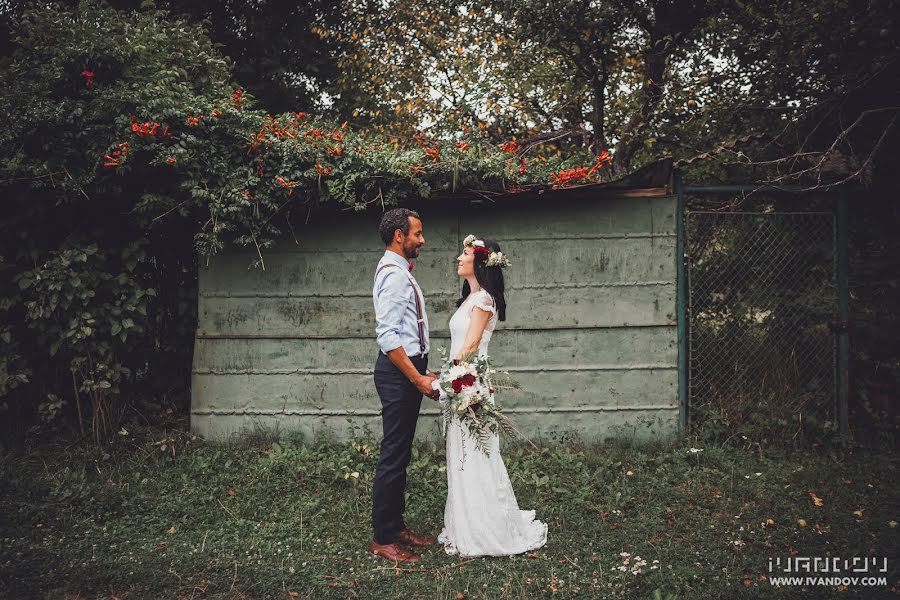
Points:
(169, 515)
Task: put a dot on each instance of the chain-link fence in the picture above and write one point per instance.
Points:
(762, 296)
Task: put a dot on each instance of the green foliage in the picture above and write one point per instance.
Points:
(83, 269)
(129, 148)
(89, 309)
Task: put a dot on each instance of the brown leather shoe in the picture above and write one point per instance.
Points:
(393, 552)
(408, 538)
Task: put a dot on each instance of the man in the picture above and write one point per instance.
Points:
(401, 379)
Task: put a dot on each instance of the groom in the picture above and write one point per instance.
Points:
(401, 379)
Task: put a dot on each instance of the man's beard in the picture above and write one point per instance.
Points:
(411, 251)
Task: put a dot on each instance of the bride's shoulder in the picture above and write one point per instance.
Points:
(483, 300)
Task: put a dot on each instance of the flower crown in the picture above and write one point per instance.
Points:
(493, 259)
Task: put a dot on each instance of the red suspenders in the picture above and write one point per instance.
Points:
(421, 317)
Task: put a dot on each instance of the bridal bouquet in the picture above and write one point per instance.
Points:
(466, 387)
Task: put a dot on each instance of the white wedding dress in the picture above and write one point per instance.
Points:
(482, 517)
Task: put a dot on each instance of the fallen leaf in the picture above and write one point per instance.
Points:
(460, 596)
(232, 493)
(532, 555)
(816, 500)
(801, 522)
(859, 512)
(170, 530)
(293, 594)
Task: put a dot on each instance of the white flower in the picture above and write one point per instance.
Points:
(497, 259)
(457, 371)
(695, 450)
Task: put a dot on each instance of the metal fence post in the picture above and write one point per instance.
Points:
(681, 308)
(843, 363)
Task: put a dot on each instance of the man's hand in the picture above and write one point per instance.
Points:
(423, 384)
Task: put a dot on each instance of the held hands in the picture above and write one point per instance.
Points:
(423, 384)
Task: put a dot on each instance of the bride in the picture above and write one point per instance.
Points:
(481, 517)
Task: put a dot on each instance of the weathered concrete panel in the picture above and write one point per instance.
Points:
(523, 349)
(616, 306)
(590, 332)
(345, 392)
(537, 262)
(582, 220)
(551, 426)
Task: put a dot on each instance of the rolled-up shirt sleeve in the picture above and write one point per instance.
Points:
(390, 305)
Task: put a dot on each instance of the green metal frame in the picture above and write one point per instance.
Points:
(842, 391)
(843, 334)
(681, 306)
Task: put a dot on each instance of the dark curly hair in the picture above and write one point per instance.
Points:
(490, 279)
(394, 219)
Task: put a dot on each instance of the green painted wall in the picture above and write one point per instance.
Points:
(590, 330)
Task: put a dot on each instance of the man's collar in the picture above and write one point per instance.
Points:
(396, 258)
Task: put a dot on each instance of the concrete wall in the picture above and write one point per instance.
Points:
(590, 330)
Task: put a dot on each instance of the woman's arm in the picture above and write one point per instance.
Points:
(477, 323)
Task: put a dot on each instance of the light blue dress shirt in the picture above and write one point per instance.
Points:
(396, 318)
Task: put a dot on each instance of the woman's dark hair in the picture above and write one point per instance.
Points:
(490, 279)
(394, 219)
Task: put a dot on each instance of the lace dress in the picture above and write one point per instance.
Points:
(482, 517)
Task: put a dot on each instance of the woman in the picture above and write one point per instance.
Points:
(481, 517)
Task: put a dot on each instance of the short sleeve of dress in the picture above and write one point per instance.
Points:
(485, 302)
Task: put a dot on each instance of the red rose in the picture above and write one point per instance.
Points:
(464, 381)
(482, 251)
